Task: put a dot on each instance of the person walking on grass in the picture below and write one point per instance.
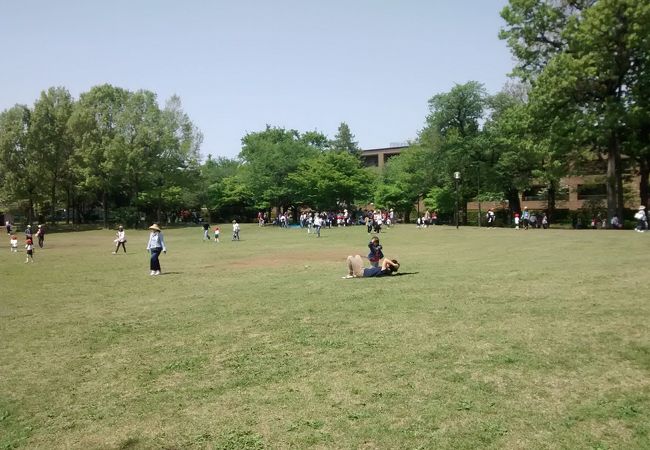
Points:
(29, 246)
(642, 220)
(318, 224)
(120, 239)
(235, 230)
(217, 231)
(525, 217)
(155, 245)
(13, 243)
(40, 234)
(206, 231)
(490, 218)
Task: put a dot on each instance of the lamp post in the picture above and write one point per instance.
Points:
(457, 180)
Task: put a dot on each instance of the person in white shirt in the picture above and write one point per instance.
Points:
(155, 245)
(235, 230)
(318, 223)
(120, 239)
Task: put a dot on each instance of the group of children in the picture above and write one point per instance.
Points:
(29, 242)
(217, 232)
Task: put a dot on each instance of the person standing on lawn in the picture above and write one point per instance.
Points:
(155, 245)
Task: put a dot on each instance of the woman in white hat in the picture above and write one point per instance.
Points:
(155, 246)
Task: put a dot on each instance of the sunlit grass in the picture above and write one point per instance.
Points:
(492, 338)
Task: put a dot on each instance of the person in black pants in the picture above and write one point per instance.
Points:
(155, 246)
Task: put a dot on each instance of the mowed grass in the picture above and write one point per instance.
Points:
(490, 339)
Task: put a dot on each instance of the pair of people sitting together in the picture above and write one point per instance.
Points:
(356, 269)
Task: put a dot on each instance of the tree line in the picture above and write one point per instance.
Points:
(578, 103)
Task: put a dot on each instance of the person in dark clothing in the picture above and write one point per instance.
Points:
(356, 269)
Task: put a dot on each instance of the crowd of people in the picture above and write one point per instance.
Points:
(313, 222)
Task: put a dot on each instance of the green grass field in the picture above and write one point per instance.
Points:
(490, 339)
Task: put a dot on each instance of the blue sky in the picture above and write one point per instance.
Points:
(239, 65)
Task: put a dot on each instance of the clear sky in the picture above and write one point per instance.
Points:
(238, 65)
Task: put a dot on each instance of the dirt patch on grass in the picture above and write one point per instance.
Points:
(292, 259)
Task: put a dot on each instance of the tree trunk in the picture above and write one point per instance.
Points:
(644, 172)
(105, 205)
(53, 205)
(513, 200)
(550, 204)
(68, 205)
(30, 211)
(613, 180)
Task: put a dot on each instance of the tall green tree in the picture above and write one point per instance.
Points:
(19, 169)
(586, 91)
(331, 180)
(344, 141)
(226, 194)
(173, 161)
(454, 136)
(268, 157)
(51, 138)
(407, 178)
(99, 151)
(536, 31)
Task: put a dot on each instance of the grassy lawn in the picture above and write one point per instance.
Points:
(491, 339)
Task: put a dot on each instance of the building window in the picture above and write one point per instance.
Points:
(592, 192)
(535, 193)
(371, 160)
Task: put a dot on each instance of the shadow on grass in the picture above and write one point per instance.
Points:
(404, 273)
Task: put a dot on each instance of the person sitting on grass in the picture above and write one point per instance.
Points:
(356, 269)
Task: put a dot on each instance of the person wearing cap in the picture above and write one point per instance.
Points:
(155, 245)
(120, 239)
(28, 232)
(642, 219)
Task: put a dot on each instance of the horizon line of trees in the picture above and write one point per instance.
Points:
(579, 101)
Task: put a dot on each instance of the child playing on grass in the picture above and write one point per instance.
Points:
(235, 230)
(13, 243)
(29, 246)
(216, 234)
(375, 254)
(120, 239)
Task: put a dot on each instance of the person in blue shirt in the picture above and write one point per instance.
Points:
(356, 269)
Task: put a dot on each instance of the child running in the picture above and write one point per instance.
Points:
(217, 231)
(29, 246)
(13, 243)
